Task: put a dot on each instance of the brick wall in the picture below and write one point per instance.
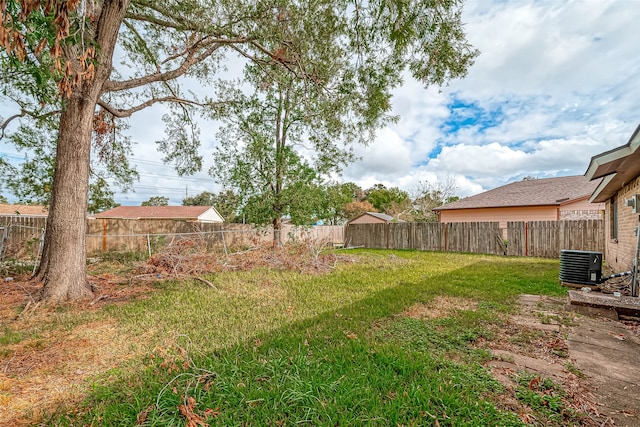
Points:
(619, 252)
(581, 214)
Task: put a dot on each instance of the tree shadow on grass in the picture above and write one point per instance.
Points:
(331, 369)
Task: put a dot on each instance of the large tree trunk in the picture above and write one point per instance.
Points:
(63, 265)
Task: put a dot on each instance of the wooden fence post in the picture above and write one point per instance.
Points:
(412, 235)
(104, 235)
(446, 237)
(388, 233)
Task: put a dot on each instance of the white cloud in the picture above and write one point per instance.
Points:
(555, 83)
(388, 156)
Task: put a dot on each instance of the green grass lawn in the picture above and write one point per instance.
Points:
(282, 349)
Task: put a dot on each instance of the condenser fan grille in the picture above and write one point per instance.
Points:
(580, 267)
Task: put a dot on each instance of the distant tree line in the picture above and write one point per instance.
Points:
(331, 204)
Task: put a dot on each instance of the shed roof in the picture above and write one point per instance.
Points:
(155, 212)
(530, 192)
(379, 215)
(618, 167)
(23, 210)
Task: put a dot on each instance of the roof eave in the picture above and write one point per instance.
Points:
(603, 192)
(617, 166)
(505, 206)
(603, 164)
(577, 199)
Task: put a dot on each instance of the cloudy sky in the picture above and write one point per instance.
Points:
(556, 83)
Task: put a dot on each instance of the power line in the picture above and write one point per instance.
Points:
(12, 156)
(172, 177)
(19, 156)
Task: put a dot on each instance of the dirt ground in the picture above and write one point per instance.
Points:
(595, 359)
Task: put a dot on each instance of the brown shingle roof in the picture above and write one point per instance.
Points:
(158, 212)
(23, 210)
(532, 192)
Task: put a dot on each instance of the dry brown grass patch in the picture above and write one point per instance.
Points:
(441, 306)
(41, 374)
(47, 365)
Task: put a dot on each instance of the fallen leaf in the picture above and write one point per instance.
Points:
(141, 418)
(212, 412)
(617, 336)
(534, 383)
(187, 410)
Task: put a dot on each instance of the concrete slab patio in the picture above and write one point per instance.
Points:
(608, 353)
(604, 352)
(622, 305)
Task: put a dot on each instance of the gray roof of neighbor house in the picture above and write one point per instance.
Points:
(530, 192)
(23, 210)
(159, 212)
(381, 216)
(618, 167)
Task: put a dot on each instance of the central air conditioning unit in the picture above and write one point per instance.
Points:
(580, 267)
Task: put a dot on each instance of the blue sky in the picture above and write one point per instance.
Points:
(556, 82)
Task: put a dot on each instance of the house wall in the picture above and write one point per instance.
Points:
(619, 252)
(501, 215)
(31, 210)
(367, 219)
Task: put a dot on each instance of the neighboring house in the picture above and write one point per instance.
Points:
(620, 172)
(374, 218)
(183, 213)
(547, 199)
(27, 210)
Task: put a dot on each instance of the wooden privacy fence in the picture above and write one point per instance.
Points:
(533, 238)
(478, 237)
(547, 238)
(20, 235)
